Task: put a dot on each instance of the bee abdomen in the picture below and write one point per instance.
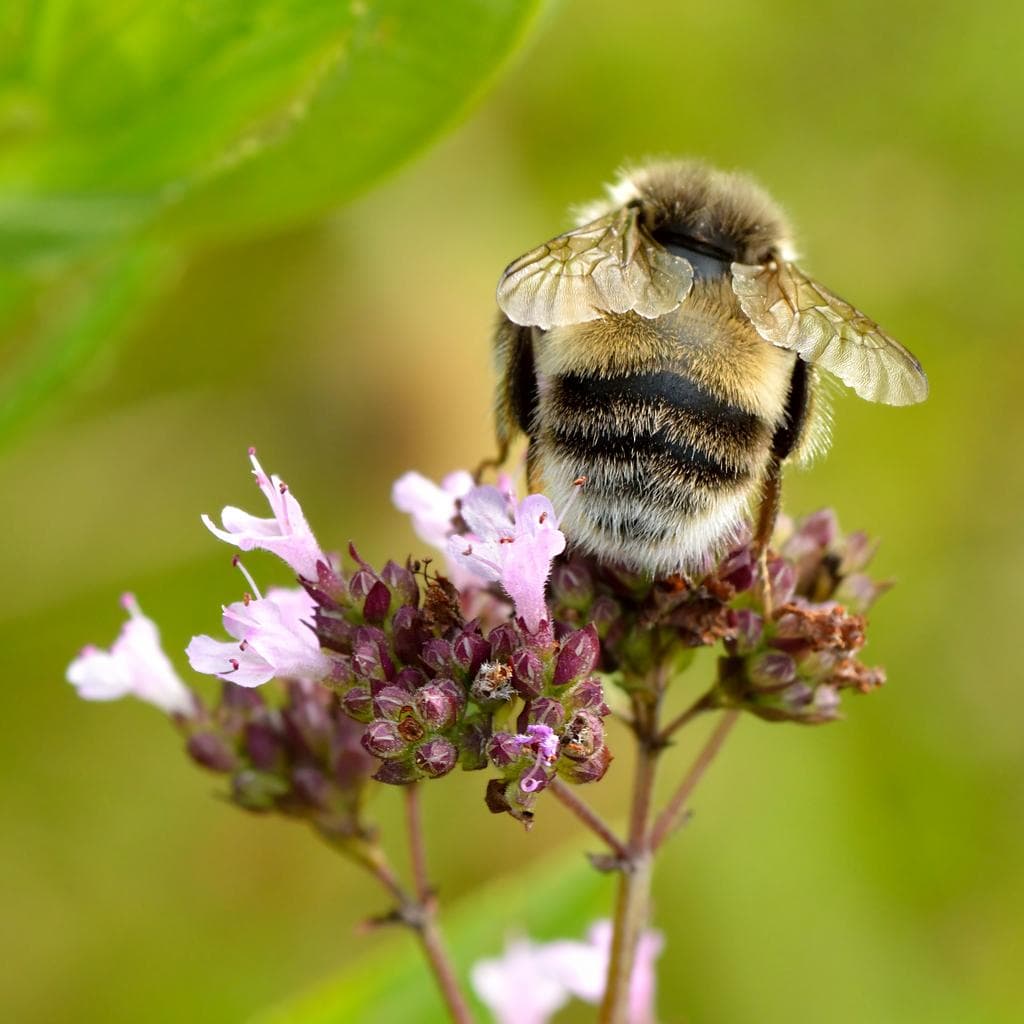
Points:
(660, 426)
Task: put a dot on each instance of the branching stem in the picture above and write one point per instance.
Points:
(586, 814)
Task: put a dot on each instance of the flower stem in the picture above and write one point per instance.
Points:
(671, 816)
(633, 900)
(417, 912)
(589, 817)
(417, 846)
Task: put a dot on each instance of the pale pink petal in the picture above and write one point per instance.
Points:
(286, 535)
(272, 641)
(98, 675)
(488, 513)
(518, 987)
(430, 506)
(136, 664)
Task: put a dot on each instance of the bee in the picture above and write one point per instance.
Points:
(669, 351)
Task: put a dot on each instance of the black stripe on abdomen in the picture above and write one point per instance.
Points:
(662, 421)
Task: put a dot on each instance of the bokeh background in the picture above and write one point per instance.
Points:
(872, 870)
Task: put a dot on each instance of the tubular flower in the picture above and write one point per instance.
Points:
(431, 507)
(286, 534)
(273, 640)
(135, 664)
(510, 543)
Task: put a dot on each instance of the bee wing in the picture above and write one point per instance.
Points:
(791, 311)
(607, 266)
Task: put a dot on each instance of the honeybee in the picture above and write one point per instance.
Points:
(669, 351)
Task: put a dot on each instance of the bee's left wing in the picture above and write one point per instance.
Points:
(610, 265)
(791, 311)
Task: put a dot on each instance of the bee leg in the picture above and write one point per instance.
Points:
(494, 462)
(767, 513)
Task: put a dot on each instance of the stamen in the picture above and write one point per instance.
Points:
(237, 563)
(234, 664)
(577, 488)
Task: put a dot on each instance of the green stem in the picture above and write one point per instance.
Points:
(632, 907)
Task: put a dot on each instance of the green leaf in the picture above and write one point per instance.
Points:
(223, 118)
(135, 127)
(557, 898)
(67, 321)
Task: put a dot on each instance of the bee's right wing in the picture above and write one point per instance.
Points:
(792, 311)
(610, 265)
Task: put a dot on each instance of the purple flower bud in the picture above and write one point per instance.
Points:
(783, 579)
(493, 684)
(588, 695)
(772, 670)
(440, 703)
(504, 639)
(242, 698)
(358, 704)
(572, 585)
(820, 527)
(409, 632)
(410, 679)
(739, 569)
(361, 582)
(547, 711)
(470, 650)
(211, 751)
(583, 737)
(382, 739)
(436, 757)
(857, 552)
(307, 719)
(504, 749)
(333, 631)
(397, 773)
(528, 671)
(377, 603)
(604, 612)
(310, 786)
(262, 745)
(366, 660)
(392, 702)
(578, 656)
(749, 628)
(859, 592)
(826, 701)
(472, 745)
(437, 655)
(591, 770)
(797, 696)
(401, 582)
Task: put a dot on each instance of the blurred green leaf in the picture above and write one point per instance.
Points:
(128, 121)
(226, 118)
(552, 899)
(68, 320)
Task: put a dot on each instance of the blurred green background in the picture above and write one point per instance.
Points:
(872, 870)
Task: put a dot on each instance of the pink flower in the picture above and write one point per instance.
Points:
(532, 981)
(286, 535)
(513, 544)
(518, 987)
(135, 664)
(583, 966)
(432, 508)
(541, 741)
(273, 640)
